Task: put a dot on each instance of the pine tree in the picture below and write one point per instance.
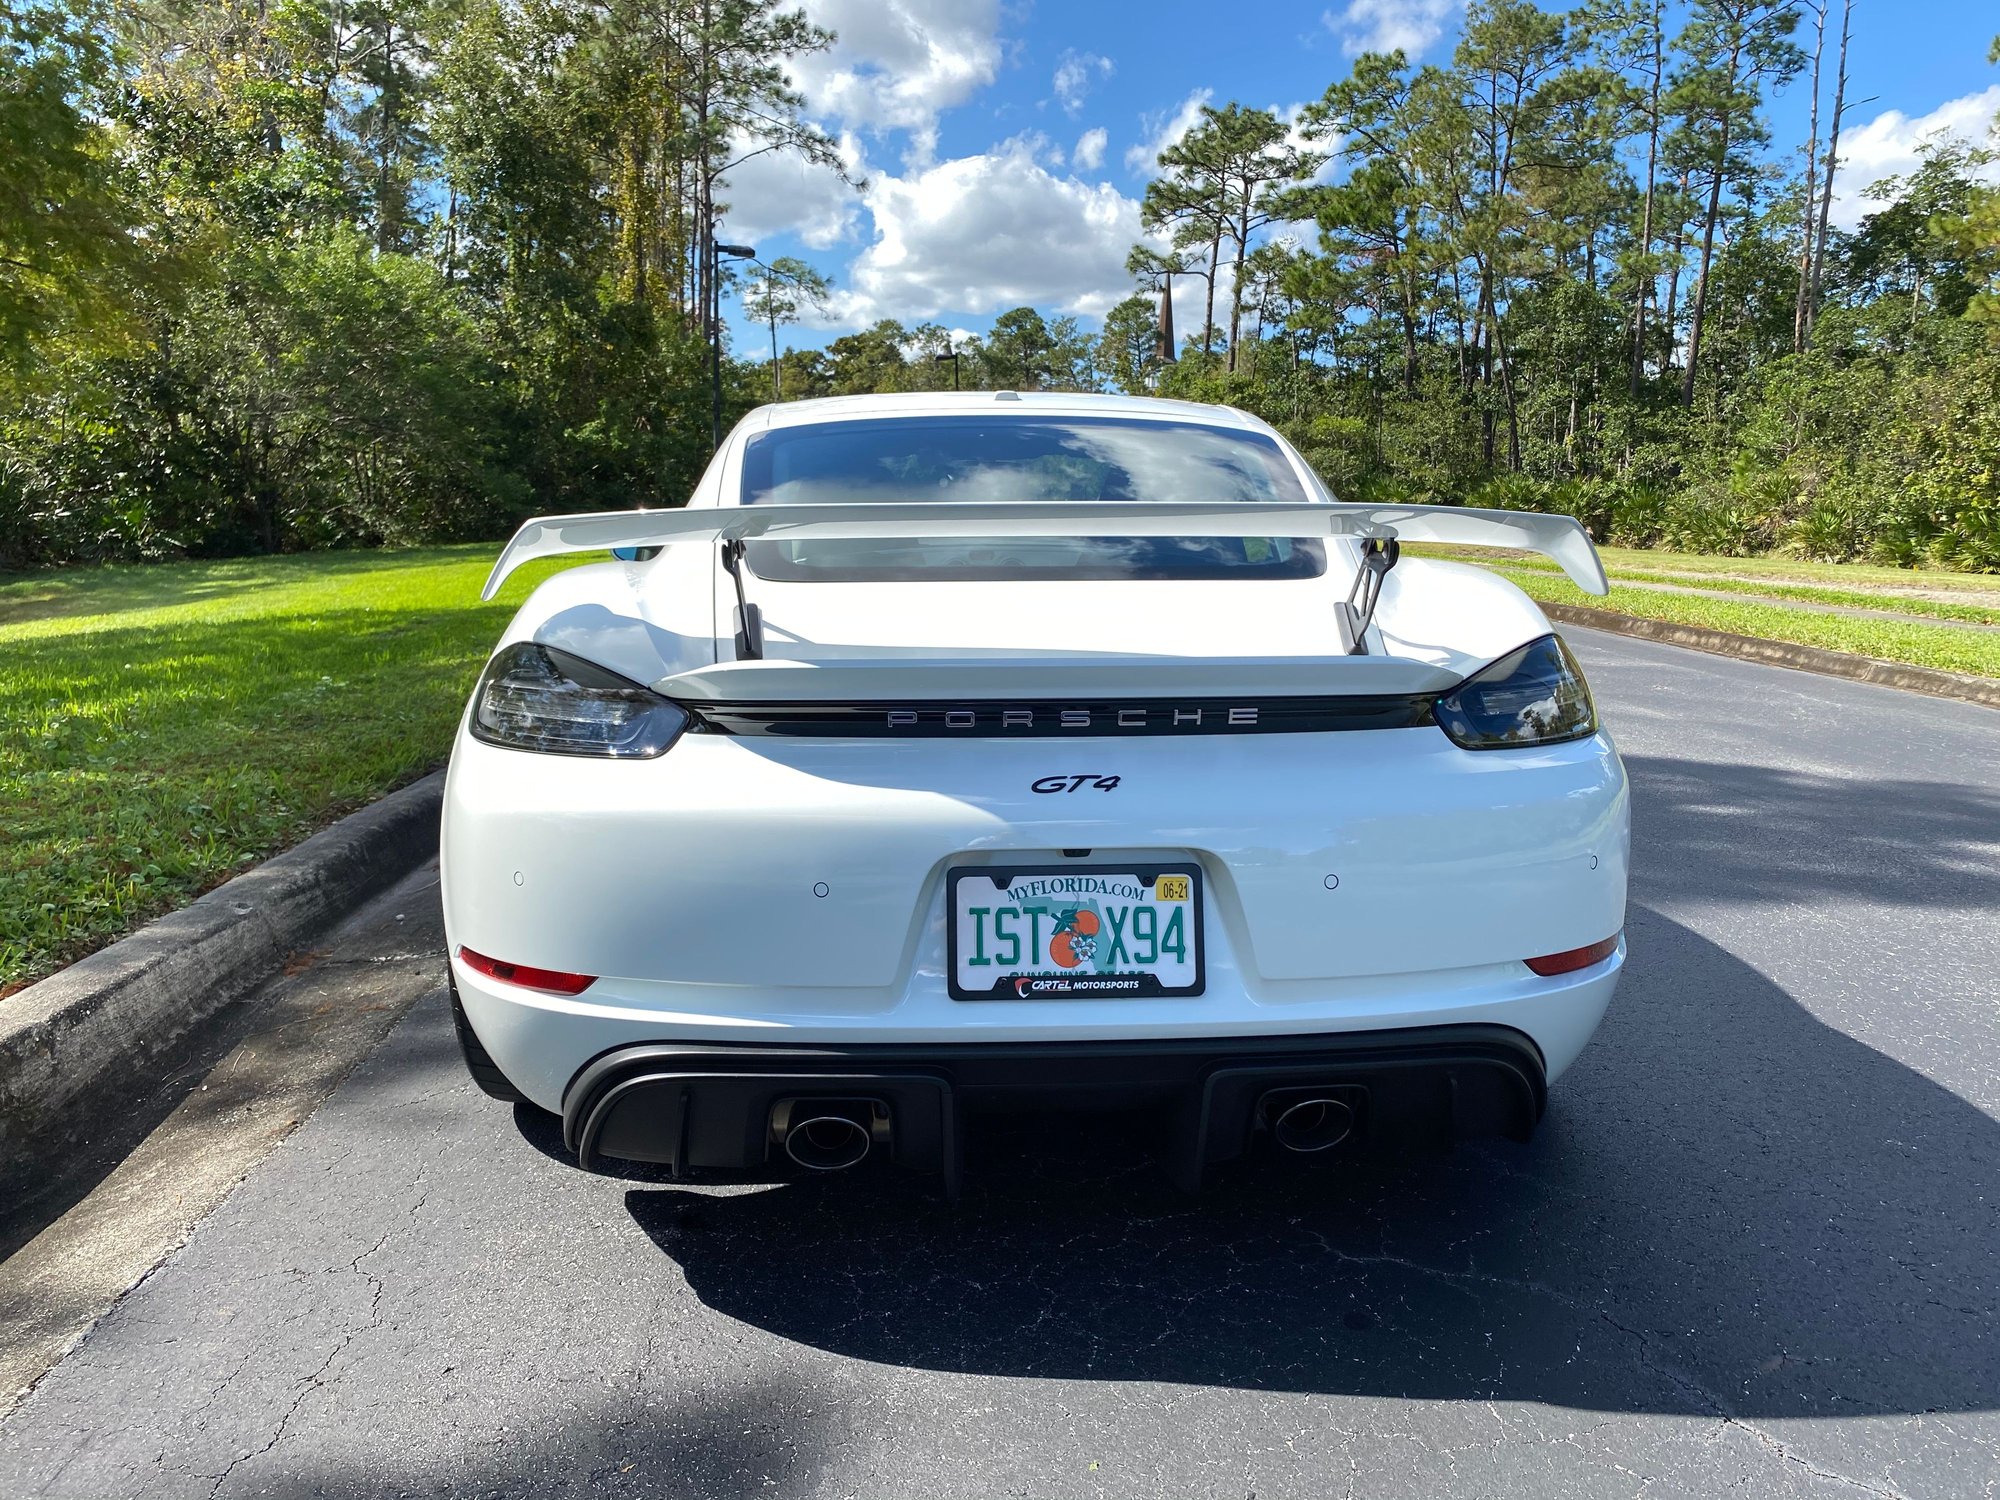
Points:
(1732, 50)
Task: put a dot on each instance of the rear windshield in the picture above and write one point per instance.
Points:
(1022, 458)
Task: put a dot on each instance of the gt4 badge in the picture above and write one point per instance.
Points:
(1076, 783)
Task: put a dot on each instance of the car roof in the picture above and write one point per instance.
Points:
(1011, 403)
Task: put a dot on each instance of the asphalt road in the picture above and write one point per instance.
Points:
(1755, 1246)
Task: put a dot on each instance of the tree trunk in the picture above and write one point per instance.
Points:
(1811, 199)
(1507, 392)
(1208, 315)
(1674, 282)
(1826, 180)
(1484, 331)
(1458, 325)
(711, 304)
(1242, 237)
(1646, 281)
(385, 238)
(1700, 308)
(636, 176)
(1406, 285)
(450, 266)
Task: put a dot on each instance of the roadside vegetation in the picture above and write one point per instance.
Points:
(1932, 582)
(1950, 621)
(1965, 598)
(317, 275)
(163, 727)
(1949, 648)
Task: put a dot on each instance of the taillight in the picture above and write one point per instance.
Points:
(534, 697)
(1569, 961)
(1533, 696)
(555, 981)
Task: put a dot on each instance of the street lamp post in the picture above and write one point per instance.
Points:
(739, 252)
(953, 357)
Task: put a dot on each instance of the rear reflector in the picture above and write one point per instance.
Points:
(1574, 959)
(553, 980)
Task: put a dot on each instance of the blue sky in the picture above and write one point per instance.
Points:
(1006, 143)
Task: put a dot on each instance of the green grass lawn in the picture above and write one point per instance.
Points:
(163, 726)
(1865, 591)
(1799, 570)
(1948, 648)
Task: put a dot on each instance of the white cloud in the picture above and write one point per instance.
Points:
(777, 193)
(1391, 25)
(1165, 130)
(980, 234)
(898, 63)
(1887, 147)
(1089, 152)
(1032, 144)
(1075, 71)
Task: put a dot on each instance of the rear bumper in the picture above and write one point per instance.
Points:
(745, 892)
(543, 1042)
(723, 1107)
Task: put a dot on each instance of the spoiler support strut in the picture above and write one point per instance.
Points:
(1378, 556)
(749, 618)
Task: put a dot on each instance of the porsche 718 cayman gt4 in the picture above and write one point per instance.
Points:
(947, 753)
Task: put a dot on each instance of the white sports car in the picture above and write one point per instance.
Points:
(956, 752)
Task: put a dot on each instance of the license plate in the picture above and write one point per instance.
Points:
(1074, 932)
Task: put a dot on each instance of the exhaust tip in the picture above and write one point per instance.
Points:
(827, 1143)
(1313, 1124)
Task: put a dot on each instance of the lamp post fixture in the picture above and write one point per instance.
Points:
(739, 252)
(953, 357)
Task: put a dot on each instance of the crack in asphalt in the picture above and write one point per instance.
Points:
(1685, 1383)
(318, 1380)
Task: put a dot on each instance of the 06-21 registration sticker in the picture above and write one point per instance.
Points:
(1074, 932)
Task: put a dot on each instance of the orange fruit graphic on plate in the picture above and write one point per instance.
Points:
(1062, 951)
(1086, 923)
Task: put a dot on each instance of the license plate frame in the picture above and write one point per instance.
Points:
(1084, 984)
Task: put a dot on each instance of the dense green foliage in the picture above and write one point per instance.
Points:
(1566, 272)
(313, 272)
(284, 275)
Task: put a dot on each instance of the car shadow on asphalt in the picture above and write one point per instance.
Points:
(1716, 831)
(1732, 1208)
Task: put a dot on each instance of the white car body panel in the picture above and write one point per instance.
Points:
(760, 889)
(1427, 923)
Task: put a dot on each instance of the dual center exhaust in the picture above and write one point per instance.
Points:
(831, 1135)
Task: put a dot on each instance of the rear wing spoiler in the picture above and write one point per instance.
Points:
(957, 679)
(1559, 538)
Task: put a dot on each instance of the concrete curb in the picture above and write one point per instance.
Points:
(1937, 684)
(81, 1039)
